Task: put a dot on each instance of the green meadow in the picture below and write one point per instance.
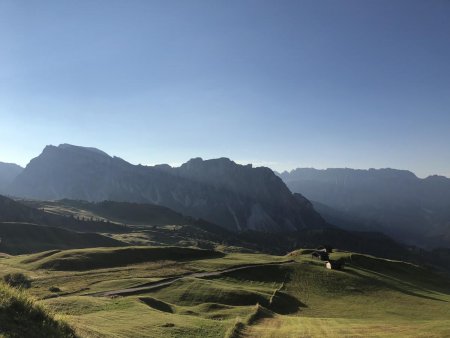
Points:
(294, 296)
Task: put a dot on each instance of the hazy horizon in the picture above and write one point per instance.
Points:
(292, 84)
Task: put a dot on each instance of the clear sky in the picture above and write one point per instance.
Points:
(279, 83)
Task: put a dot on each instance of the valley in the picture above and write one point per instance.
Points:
(175, 276)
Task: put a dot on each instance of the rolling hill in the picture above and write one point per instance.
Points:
(14, 211)
(266, 296)
(99, 258)
(19, 238)
(25, 229)
(149, 224)
(156, 225)
(159, 226)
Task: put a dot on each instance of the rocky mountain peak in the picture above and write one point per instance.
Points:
(235, 196)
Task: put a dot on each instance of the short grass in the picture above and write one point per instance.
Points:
(293, 327)
(371, 297)
(21, 316)
(237, 259)
(195, 291)
(136, 319)
(98, 258)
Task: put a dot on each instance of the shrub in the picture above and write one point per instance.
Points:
(54, 289)
(17, 280)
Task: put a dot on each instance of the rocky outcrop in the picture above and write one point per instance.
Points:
(234, 196)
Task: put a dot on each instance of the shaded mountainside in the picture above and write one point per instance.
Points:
(413, 210)
(124, 212)
(154, 223)
(24, 229)
(14, 211)
(8, 172)
(234, 196)
(20, 238)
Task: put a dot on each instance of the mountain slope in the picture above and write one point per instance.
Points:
(8, 172)
(156, 225)
(13, 211)
(221, 191)
(20, 238)
(413, 210)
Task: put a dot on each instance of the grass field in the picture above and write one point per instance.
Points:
(21, 316)
(371, 297)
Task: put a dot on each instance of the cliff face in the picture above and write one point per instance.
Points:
(221, 191)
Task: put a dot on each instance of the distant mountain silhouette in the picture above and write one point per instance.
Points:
(8, 172)
(410, 209)
(234, 196)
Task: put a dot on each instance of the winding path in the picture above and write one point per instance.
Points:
(168, 281)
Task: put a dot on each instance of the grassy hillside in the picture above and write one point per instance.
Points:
(20, 316)
(154, 225)
(371, 297)
(147, 224)
(20, 238)
(130, 213)
(20, 212)
(98, 258)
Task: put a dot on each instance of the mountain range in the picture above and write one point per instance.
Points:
(396, 202)
(240, 198)
(234, 196)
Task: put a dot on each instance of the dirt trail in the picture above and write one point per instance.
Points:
(168, 281)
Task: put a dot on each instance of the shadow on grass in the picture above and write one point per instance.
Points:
(285, 304)
(393, 287)
(156, 304)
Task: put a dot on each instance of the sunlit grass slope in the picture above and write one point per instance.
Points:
(20, 316)
(371, 297)
(98, 258)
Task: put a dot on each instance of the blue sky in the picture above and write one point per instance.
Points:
(279, 83)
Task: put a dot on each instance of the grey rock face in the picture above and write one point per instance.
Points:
(221, 191)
